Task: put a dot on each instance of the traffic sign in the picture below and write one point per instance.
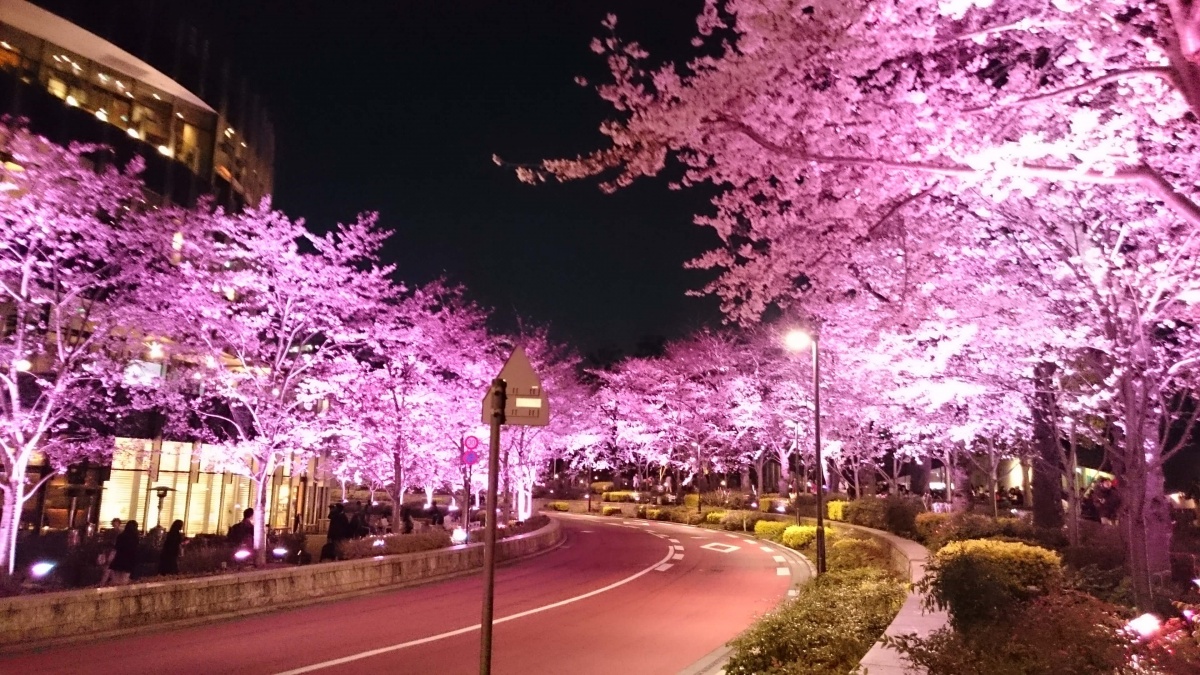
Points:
(470, 442)
(469, 457)
(526, 403)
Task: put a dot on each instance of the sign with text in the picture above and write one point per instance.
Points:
(525, 403)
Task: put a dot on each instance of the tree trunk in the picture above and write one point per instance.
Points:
(10, 521)
(260, 518)
(396, 489)
(919, 476)
(835, 478)
(1047, 467)
(759, 464)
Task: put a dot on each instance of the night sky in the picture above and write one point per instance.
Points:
(399, 106)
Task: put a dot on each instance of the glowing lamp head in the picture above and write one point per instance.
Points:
(459, 536)
(781, 508)
(22, 365)
(41, 569)
(754, 505)
(242, 555)
(1145, 625)
(797, 340)
(155, 351)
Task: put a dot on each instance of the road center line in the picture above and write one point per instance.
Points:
(462, 631)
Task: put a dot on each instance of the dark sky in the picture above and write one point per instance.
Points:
(398, 106)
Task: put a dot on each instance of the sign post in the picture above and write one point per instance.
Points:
(514, 398)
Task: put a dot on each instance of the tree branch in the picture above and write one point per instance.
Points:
(1164, 72)
(1143, 176)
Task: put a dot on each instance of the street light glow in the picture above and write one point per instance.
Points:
(797, 340)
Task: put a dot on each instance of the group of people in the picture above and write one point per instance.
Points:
(119, 559)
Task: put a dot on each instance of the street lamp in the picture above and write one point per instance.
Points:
(797, 340)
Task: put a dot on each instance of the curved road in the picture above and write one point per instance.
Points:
(643, 597)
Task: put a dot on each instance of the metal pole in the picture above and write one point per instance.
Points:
(820, 473)
(497, 393)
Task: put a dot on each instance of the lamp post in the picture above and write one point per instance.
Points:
(797, 340)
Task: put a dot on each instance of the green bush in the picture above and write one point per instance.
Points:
(740, 521)
(610, 511)
(849, 553)
(652, 514)
(836, 509)
(393, 544)
(769, 529)
(714, 517)
(979, 580)
(868, 512)
(901, 513)
(1062, 633)
(799, 536)
(601, 487)
(558, 506)
(691, 500)
(619, 496)
(930, 525)
(825, 630)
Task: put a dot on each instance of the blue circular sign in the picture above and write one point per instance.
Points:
(470, 457)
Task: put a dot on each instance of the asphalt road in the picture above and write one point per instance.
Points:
(618, 596)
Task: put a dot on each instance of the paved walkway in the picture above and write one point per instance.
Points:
(882, 660)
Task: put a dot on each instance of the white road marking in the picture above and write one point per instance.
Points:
(782, 571)
(586, 531)
(730, 534)
(661, 566)
(677, 556)
(673, 541)
(780, 559)
(768, 549)
(793, 592)
(677, 548)
(720, 548)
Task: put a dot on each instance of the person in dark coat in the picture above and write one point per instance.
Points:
(435, 516)
(242, 533)
(168, 559)
(125, 559)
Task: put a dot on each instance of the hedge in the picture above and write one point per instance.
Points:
(619, 496)
(611, 511)
(558, 506)
(836, 509)
(393, 544)
(741, 521)
(601, 487)
(714, 517)
(769, 529)
(825, 630)
(848, 553)
(799, 536)
(979, 580)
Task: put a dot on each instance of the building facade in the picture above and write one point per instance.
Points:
(70, 84)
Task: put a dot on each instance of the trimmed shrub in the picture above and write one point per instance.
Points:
(851, 553)
(741, 521)
(714, 517)
(825, 630)
(836, 509)
(979, 580)
(652, 514)
(619, 496)
(558, 506)
(611, 511)
(901, 514)
(769, 529)
(393, 544)
(691, 500)
(930, 525)
(868, 512)
(799, 536)
(1063, 633)
(600, 487)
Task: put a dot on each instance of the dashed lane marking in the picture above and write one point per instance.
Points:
(768, 549)
(677, 548)
(664, 567)
(782, 571)
(677, 556)
(780, 559)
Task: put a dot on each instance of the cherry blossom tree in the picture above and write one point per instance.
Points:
(81, 263)
(864, 148)
(413, 394)
(276, 311)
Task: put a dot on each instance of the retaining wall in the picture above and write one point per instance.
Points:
(30, 620)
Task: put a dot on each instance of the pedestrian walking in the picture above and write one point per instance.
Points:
(125, 561)
(242, 532)
(172, 548)
(108, 551)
